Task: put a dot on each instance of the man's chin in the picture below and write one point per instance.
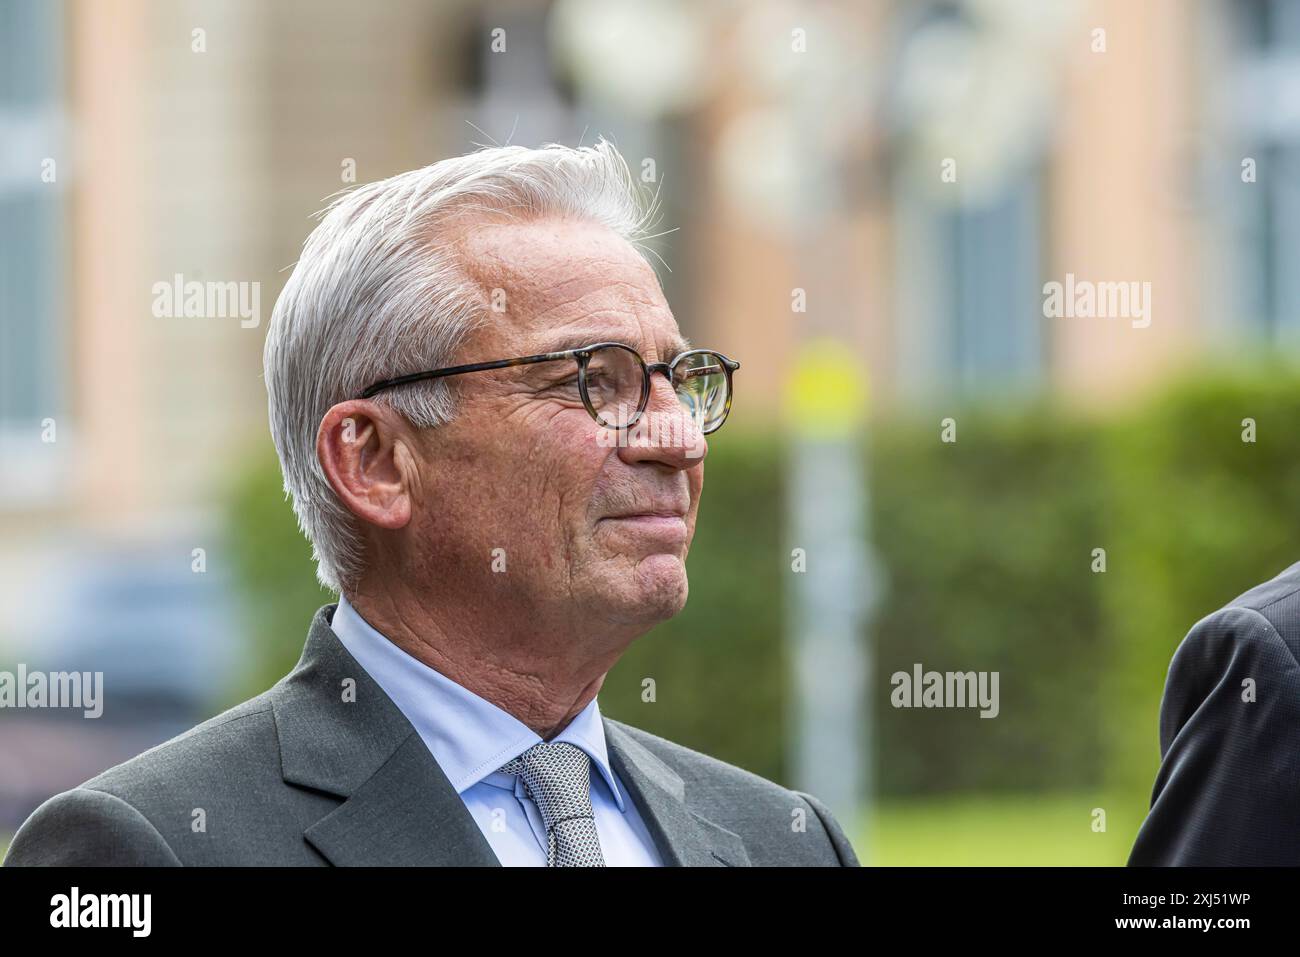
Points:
(655, 591)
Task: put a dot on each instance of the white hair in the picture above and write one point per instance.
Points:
(379, 292)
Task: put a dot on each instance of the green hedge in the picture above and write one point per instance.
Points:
(987, 544)
(1197, 516)
(986, 548)
(274, 571)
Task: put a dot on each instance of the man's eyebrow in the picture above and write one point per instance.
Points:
(578, 340)
(679, 345)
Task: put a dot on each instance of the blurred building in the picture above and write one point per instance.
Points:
(800, 147)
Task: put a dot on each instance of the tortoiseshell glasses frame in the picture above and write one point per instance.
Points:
(689, 369)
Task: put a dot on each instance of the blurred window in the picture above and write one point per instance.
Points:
(969, 262)
(989, 254)
(1267, 117)
(32, 381)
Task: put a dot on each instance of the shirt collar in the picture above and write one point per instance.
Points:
(467, 735)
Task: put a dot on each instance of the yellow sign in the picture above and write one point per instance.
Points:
(827, 393)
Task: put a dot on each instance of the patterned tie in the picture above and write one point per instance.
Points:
(557, 776)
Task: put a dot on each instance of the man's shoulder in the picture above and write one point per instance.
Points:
(147, 810)
(1260, 615)
(745, 802)
(697, 767)
(1229, 729)
(1273, 598)
(226, 743)
(1253, 642)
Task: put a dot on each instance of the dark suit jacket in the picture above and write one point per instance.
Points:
(300, 776)
(1228, 790)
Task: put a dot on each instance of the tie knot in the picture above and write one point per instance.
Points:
(558, 777)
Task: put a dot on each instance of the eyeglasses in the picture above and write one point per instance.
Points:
(614, 382)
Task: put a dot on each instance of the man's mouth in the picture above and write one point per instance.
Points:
(669, 525)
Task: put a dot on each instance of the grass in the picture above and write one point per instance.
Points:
(999, 831)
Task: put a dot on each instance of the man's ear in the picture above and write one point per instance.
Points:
(365, 451)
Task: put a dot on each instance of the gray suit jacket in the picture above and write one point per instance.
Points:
(298, 775)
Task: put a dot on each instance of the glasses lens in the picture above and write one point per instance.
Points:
(615, 380)
(700, 379)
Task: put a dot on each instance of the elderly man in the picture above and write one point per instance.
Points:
(494, 436)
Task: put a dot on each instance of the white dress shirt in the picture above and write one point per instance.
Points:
(471, 738)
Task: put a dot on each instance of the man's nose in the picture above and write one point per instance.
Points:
(666, 432)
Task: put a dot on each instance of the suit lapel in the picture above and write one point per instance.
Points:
(340, 733)
(405, 814)
(683, 837)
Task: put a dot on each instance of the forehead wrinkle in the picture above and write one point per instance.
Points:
(533, 279)
(605, 287)
(529, 292)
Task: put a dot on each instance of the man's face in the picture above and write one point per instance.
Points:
(587, 530)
